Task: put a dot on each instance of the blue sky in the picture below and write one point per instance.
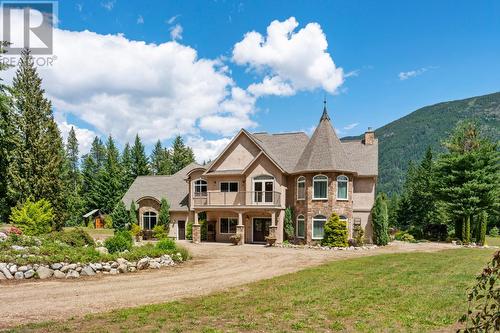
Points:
(395, 56)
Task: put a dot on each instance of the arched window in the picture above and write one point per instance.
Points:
(342, 183)
(200, 188)
(318, 226)
(301, 188)
(301, 226)
(320, 187)
(148, 220)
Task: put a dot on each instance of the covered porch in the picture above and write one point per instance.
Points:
(252, 225)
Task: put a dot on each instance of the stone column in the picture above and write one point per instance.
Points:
(240, 228)
(273, 227)
(196, 229)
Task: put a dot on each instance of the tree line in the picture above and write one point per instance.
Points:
(454, 195)
(36, 164)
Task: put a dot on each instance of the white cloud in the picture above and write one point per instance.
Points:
(108, 5)
(206, 150)
(176, 32)
(271, 86)
(172, 19)
(298, 59)
(416, 72)
(351, 126)
(140, 19)
(83, 135)
(79, 7)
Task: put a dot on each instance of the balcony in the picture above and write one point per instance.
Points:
(228, 199)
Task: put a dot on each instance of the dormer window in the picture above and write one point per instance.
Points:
(320, 187)
(301, 188)
(342, 183)
(200, 188)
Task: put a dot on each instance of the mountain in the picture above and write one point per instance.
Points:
(407, 138)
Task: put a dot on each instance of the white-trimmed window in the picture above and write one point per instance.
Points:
(342, 187)
(149, 220)
(320, 187)
(200, 188)
(229, 186)
(301, 226)
(318, 226)
(228, 225)
(301, 188)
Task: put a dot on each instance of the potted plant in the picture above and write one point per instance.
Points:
(235, 239)
(270, 240)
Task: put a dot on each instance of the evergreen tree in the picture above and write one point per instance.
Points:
(289, 225)
(468, 176)
(380, 220)
(160, 160)
(73, 186)
(98, 152)
(109, 178)
(121, 220)
(126, 167)
(133, 213)
(38, 166)
(164, 215)
(181, 155)
(335, 232)
(139, 165)
(90, 186)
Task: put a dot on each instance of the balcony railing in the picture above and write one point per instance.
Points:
(254, 198)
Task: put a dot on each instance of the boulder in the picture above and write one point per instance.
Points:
(87, 271)
(6, 272)
(122, 268)
(154, 265)
(2, 277)
(102, 250)
(22, 268)
(97, 267)
(13, 269)
(113, 271)
(121, 261)
(56, 266)
(79, 269)
(132, 269)
(143, 263)
(29, 274)
(72, 266)
(115, 265)
(64, 269)
(19, 276)
(72, 274)
(59, 275)
(106, 267)
(44, 272)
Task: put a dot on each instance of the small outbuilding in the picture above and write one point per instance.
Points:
(97, 216)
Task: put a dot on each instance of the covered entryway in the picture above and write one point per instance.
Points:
(260, 229)
(181, 230)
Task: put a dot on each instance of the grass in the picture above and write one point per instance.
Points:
(493, 241)
(412, 292)
(96, 233)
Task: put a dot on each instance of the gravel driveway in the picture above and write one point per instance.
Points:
(214, 267)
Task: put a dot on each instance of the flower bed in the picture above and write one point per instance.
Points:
(319, 247)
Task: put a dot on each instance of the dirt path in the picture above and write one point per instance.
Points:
(214, 267)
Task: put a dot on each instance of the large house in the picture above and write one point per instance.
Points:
(246, 189)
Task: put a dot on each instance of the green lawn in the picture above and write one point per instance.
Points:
(414, 292)
(96, 233)
(493, 241)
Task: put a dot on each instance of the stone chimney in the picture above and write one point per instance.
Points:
(369, 137)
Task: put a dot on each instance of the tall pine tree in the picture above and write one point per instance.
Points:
(126, 166)
(160, 160)
(110, 186)
(139, 159)
(73, 181)
(182, 155)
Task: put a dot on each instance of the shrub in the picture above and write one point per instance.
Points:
(380, 220)
(166, 244)
(120, 217)
(483, 299)
(435, 232)
(133, 213)
(416, 232)
(135, 230)
(289, 225)
(335, 232)
(108, 222)
(494, 232)
(189, 231)
(159, 232)
(33, 218)
(483, 224)
(75, 237)
(164, 214)
(359, 235)
(90, 224)
(121, 241)
(203, 230)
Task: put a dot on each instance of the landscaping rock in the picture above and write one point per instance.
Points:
(72, 266)
(59, 275)
(114, 265)
(56, 266)
(121, 261)
(87, 271)
(3, 236)
(44, 272)
(79, 269)
(13, 269)
(106, 267)
(22, 269)
(6, 272)
(122, 268)
(143, 263)
(102, 250)
(132, 269)
(154, 265)
(113, 271)
(18, 248)
(19, 276)
(72, 274)
(29, 274)
(64, 269)
(2, 277)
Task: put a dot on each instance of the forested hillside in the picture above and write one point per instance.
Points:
(407, 138)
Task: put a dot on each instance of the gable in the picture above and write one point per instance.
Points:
(237, 155)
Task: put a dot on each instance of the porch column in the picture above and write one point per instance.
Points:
(240, 229)
(272, 228)
(196, 229)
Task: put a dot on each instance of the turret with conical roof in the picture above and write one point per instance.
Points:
(324, 152)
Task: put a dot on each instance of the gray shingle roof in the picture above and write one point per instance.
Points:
(363, 157)
(284, 148)
(173, 188)
(324, 152)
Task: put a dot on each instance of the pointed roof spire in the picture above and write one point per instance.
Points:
(324, 116)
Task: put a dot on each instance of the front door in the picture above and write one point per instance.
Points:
(181, 228)
(211, 231)
(261, 229)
